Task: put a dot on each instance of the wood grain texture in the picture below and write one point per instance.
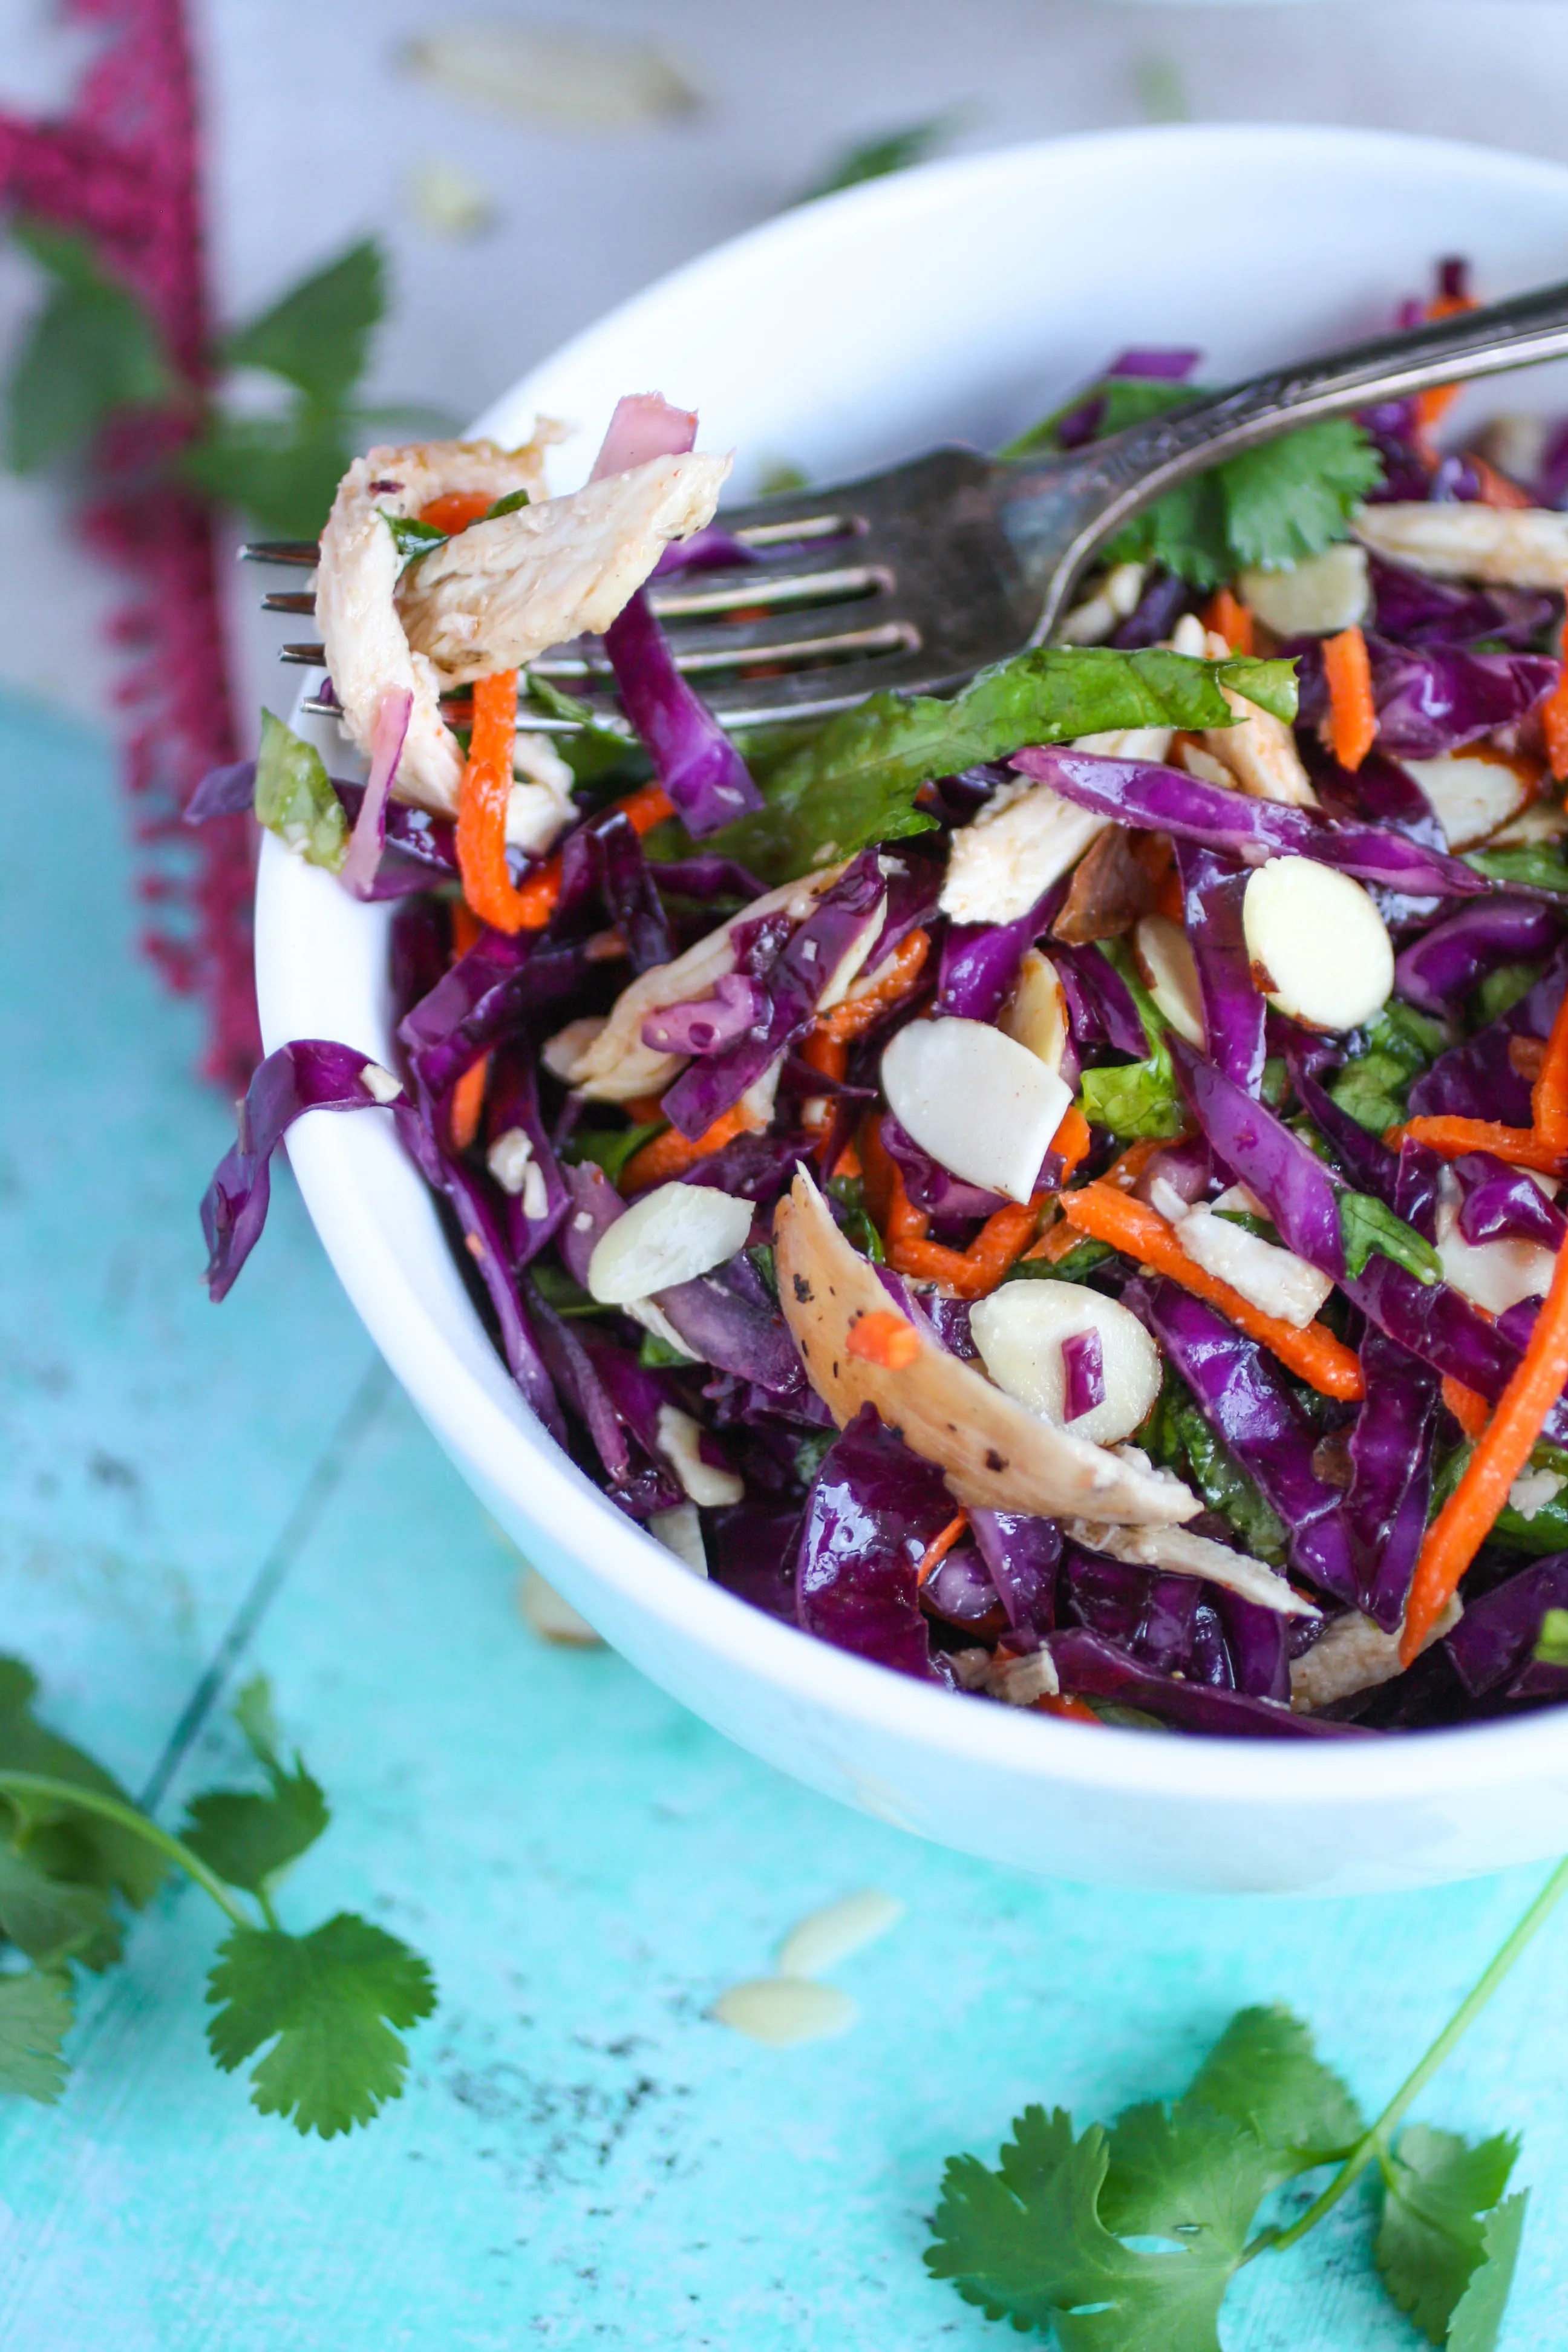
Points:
(583, 2158)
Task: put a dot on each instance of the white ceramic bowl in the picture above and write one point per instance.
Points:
(956, 300)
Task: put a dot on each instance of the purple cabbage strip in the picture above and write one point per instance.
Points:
(419, 850)
(570, 1367)
(929, 1185)
(1414, 609)
(1083, 1374)
(1100, 1010)
(223, 792)
(1154, 1618)
(483, 995)
(1166, 800)
(874, 1507)
(1090, 1669)
(692, 757)
(1247, 1405)
(1504, 1203)
(705, 875)
(1235, 1014)
(707, 550)
(1024, 1556)
(471, 1197)
(757, 1166)
(393, 708)
(606, 855)
(1166, 366)
(959, 1587)
(1552, 487)
(512, 1101)
(1445, 966)
(421, 937)
(594, 1206)
(1379, 792)
(1390, 1462)
(1165, 598)
(1368, 1164)
(751, 1549)
(1299, 1192)
(312, 1073)
(1434, 698)
(1476, 1080)
(1258, 1642)
(706, 1025)
(1417, 1188)
(980, 961)
(1497, 1633)
(795, 978)
(729, 1320)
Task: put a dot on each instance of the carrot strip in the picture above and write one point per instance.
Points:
(672, 1153)
(896, 978)
(482, 806)
(454, 510)
(936, 1551)
(1452, 1137)
(468, 1103)
(1496, 490)
(1554, 714)
(465, 928)
(819, 1051)
(1072, 1141)
(975, 1272)
(1549, 1096)
(1471, 1412)
(1072, 1710)
(1434, 403)
(904, 1223)
(1466, 1519)
(849, 1164)
(886, 1339)
(1232, 620)
(1352, 714)
(1314, 1355)
(540, 892)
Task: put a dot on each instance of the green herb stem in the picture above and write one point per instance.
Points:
(126, 1817)
(1374, 2143)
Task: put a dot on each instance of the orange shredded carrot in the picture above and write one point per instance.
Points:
(1452, 1137)
(1434, 403)
(1169, 900)
(538, 894)
(482, 806)
(904, 1223)
(936, 1551)
(1314, 1355)
(1232, 620)
(672, 1153)
(876, 1169)
(454, 510)
(468, 1103)
(1496, 490)
(1352, 714)
(1072, 1710)
(819, 1051)
(848, 1165)
(1125, 1170)
(1549, 1096)
(1554, 715)
(1466, 1519)
(465, 928)
(893, 982)
(975, 1272)
(1072, 1141)
(884, 1339)
(1471, 1412)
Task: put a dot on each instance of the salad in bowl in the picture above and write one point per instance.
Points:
(1051, 1189)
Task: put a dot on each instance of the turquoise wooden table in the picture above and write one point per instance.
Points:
(583, 2156)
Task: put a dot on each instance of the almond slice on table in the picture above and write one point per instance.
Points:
(981, 1104)
(994, 1454)
(1319, 950)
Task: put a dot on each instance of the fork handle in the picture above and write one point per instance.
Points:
(1114, 479)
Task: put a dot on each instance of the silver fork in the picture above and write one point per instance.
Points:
(915, 578)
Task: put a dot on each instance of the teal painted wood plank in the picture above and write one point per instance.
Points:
(585, 2158)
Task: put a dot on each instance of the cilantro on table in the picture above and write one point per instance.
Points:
(330, 2004)
(856, 780)
(1368, 1226)
(1270, 506)
(888, 151)
(1055, 2236)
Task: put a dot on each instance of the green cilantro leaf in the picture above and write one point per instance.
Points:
(656, 1355)
(1224, 1485)
(64, 1842)
(328, 2004)
(36, 2012)
(1291, 497)
(1501, 990)
(858, 1228)
(1077, 1262)
(248, 1838)
(1540, 865)
(1552, 1642)
(317, 336)
(1265, 2075)
(1373, 1090)
(1369, 1226)
(853, 780)
(512, 503)
(1438, 2191)
(294, 797)
(411, 537)
(610, 1148)
(1027, 2243)
(761, 1257)
(53, 1919)
(1136, 1098)
(91, 350)
(1173, 2172)
(1478, 2316)
(890, 152)
(558, 1290)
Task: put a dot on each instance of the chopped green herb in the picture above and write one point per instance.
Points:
(810, 1452)
(1440, 2192)
(92, 349)
(1368, 1226)
(858, 1228)
(411, 537)
(611, 1148)
(558, 1290)
(1219, 1478)
(1075, 1266)
(761, 1257)
(1136, 1099)
(1260, 1228)
(512, 503)
(1552, 1642)
(1503, 989)
(656, 1355)
(597, 747)
(1540, 865)
(1373, 1091)
(294, 797)
(856, 778)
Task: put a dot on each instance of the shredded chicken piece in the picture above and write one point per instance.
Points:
(1182, 1553)
(1259, 751)
(1020, 1682)
(607, 1060)
(994, 1453)
(496, 595)
(1354, 1655)
(1508, 547)
(1275, 1280)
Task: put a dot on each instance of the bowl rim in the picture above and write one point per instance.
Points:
(478, 1416)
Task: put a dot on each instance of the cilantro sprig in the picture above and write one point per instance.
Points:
(1055, 2236)
(326, 2008)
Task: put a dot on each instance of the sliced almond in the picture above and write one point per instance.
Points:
(1322, 946)
(672, 1234)
(681, 1532)
(994, 1453)
(1316, 598)
(551, 1615)
(1165, 955)
(827, 1937)
(1019, 1331)
(1494, 1276)
(782, 2010)
(980, 1103)
(1036, 1014)
(1472, 796)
